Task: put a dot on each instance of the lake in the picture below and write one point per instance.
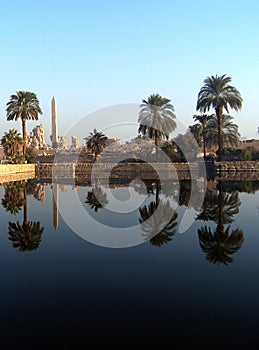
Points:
(133, 265)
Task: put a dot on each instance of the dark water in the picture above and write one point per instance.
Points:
(198, 287)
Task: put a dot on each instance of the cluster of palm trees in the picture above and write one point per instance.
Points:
(156, 117)
(205, 132)
(23, 105)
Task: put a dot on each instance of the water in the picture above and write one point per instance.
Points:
(69, 290)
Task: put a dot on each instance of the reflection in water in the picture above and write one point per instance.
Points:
(158, 220)
(97, 198)
(74, 291)
(55, 200)
(220, 244)
(25, 236)
(13, 197)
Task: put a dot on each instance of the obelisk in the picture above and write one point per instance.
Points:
(54, 136)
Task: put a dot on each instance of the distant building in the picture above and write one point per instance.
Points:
(63, 142)
(249, 143)
(75, 142)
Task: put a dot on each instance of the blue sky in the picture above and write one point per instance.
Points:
(92, 54)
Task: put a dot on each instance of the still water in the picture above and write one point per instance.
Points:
(73, 285)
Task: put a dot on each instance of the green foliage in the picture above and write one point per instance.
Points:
(16, 158)
(186, 147)
(237, 154)
(156, 118)
(230, 134)
(216, 93)
(23, 105)
(11, 142)
(96, 142)
(31, 155)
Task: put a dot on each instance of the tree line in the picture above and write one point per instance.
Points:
(156, 120)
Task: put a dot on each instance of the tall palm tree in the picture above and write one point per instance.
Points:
(230, 133)
(199, 130)
(11, 142)
(23, 105)
(96, 142)
(156, 118)
(216, 93)
(25, 236)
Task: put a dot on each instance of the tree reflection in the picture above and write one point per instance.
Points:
(13, 198)
(220, 244)
(158, 221)
(97, 198)
(25, 236)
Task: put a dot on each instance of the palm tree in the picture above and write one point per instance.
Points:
(96, 142)
(11, 142)
(230, 134)
(156, 118)
(23, 105)
(25, 236)
(97, 199)
(199, 130)
(216, 93)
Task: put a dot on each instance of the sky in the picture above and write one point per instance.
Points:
(92, 55)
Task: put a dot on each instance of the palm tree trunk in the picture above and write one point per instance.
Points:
(204, 149)
(24, 134)
(220, 136)
(157, 194)
(221, 210)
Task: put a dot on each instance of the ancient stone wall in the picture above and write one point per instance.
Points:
(15, 172)
(237, 166)
(114, 170)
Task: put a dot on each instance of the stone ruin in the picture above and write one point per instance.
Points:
(75, 142)
(35, 138)
(62, 143)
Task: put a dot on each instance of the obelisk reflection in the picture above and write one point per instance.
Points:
(55, 204)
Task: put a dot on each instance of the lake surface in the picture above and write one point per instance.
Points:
(98, 268)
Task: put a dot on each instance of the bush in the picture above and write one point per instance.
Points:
(233, 154)
(31, 155)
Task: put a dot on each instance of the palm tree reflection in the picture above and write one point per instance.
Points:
(97, 198)
(158, 221)
(25, 236)
(220, 244)
(13, 198)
